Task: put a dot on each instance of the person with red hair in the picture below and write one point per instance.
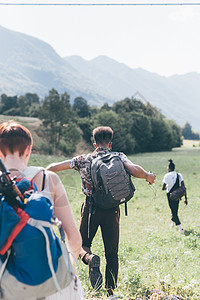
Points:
(15, 148)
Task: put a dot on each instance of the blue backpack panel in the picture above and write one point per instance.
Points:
(37, 263)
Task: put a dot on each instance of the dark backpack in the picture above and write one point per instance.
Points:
(112, 183)
(177, 191)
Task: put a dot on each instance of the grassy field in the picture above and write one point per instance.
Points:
(155, 260)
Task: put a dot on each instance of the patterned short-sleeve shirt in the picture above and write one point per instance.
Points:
(82, 164)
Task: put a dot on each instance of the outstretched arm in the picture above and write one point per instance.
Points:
(139, 172)
(60, 166)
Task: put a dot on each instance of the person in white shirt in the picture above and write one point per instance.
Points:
(170, 182)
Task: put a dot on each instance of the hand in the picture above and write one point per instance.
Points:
(186, 201)
(151, 177)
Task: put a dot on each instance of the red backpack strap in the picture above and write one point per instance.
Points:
(24, 217)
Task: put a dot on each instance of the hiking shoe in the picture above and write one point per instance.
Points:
(181, 230)
(172, 224)
(111, 295)
(94, 272)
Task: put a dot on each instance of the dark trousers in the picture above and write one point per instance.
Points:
(174, 205)
(108, 220)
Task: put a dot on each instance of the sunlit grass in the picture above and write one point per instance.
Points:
(154, 258)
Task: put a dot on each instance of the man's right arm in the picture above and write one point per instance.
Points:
(60, 166)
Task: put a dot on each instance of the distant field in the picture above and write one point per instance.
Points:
(153, 257)
(191, 143)
(19, 119)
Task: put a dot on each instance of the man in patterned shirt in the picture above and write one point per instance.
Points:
(107, 219)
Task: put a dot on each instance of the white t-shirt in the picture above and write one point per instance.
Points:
(170, 179)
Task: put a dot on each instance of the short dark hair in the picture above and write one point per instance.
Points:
(171, 165)
(102, 135)
(14, 137)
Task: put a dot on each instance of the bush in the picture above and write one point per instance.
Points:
(46, 148)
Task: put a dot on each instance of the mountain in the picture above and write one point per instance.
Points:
(28, 64)
(178, 96)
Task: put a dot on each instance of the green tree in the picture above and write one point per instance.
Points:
(81, 107)
(141, 131)
(147, 126)
(162, 139)
(151, 111)
(9, 104)
(56, 113)
(176, 134)
(122, 139)
(105, 107)
(32, 98)
(26, 105)
(85, 125)
(128, 105)
(70, 138)
(23, 106)
(188, 133)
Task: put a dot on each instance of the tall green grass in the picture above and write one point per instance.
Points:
(153, 257)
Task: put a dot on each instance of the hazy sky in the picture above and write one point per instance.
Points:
(161, 39)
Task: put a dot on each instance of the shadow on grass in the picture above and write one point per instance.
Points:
(191, 232)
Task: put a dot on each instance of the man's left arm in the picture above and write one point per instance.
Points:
(164, 186)
(186, 199)
(138, 172)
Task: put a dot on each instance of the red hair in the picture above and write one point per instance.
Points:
(14, 138)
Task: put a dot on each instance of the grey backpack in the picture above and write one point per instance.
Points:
(112, 183)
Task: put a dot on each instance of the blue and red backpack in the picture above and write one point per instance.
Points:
(34, 262)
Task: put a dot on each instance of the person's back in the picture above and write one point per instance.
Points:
(15, 148)
(171, 181)
(93, 216)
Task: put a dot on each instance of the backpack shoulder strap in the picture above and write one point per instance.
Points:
(43, 180)
(177, 179)
(176, 183)
(31, 172)
(40, 225)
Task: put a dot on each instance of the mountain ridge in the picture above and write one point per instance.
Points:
(169, 94)
(28, 64)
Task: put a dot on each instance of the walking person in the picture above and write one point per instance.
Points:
(15, 149)
(107, 219)
(172, 181)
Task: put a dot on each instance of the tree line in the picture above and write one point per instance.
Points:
(189, 134)
(138, 127)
